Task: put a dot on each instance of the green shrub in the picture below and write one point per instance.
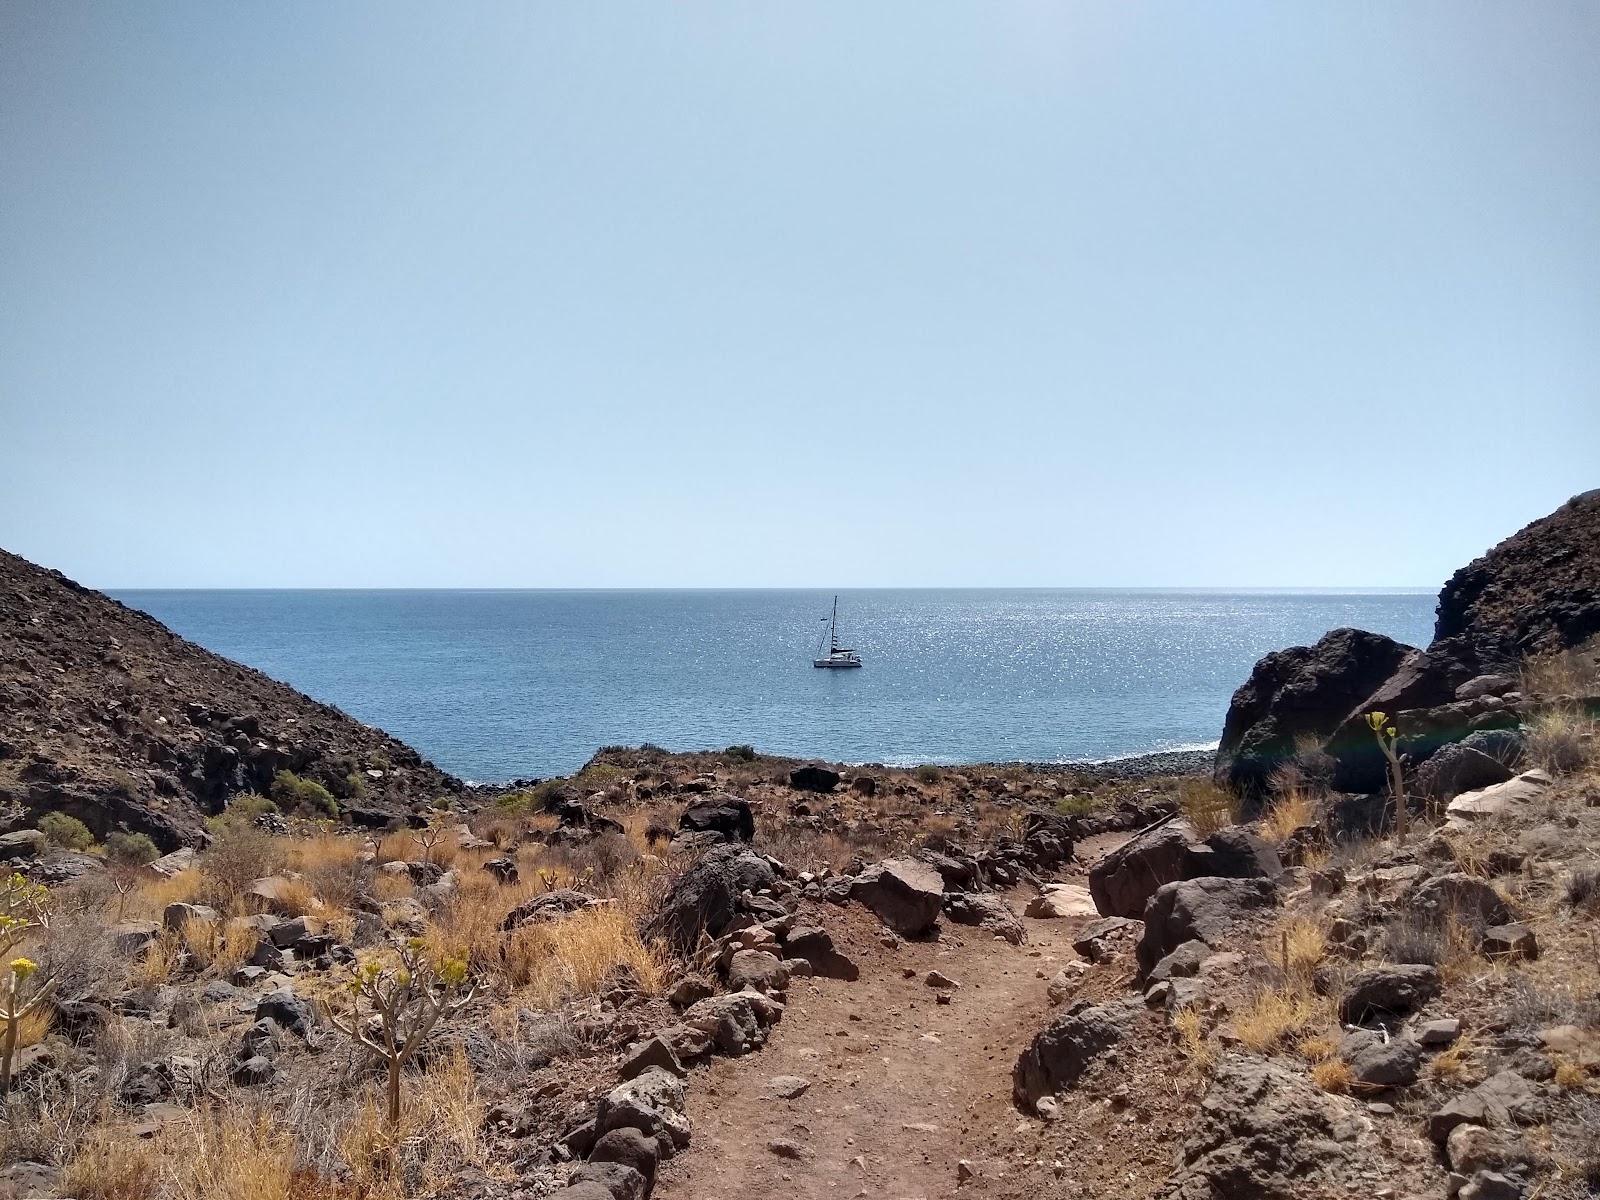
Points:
(741, 753)
(1076, 806)
(516, 803)
(928, 773)
(600, 776)
(303, 795)
(67, 832)
(131, 849)
(248, 806)
(544, 790)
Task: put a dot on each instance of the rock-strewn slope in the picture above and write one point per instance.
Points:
(109, 716)
(1536, 592)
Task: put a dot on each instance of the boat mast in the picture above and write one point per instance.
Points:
(833, 628)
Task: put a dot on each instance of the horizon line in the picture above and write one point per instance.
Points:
(1329, 589)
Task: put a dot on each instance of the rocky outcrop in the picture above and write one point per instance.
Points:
(1459, 768)
(110, 717)
(1299, 693)
(1538, 591)
(1265, 1131)
(705, 899)
(1388, 991)
(1535, 592)
(814, 777)
(1063, 1050)
(1123, 882)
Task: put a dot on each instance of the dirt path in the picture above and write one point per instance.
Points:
(902, 1088)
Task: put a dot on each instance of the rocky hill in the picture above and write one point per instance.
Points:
(108, 716)
(1536, 592)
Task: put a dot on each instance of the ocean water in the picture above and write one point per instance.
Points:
(495, 685)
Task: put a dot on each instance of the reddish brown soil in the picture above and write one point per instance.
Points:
(902, 1087)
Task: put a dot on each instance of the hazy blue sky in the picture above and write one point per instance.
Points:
(818, 294)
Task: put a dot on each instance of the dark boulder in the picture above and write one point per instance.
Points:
(1233, 853)
(729, 817)
(1198, 910)
(1098, 940)
(1388, 991)
(1299, 693)
(814, 778)
(906, 894)
(815, 946)
(1122, 882)
(1458, 768)
(547, 906)
(1265, 1131)
(705, 899)
(1460, 897)
(1378, 1061)
(1425, 679)
(630, 1148)
(1046, 840)
(618, 1180)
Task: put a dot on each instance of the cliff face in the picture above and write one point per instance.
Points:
(109, 716)
(1537, 591)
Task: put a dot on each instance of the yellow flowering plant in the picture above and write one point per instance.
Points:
(1387, 735)
(394, 1007)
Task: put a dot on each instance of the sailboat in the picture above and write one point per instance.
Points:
(838, 657)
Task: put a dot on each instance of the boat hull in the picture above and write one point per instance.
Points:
(836, 664)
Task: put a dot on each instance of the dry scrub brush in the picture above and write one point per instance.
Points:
(1207, 806)
(1292, 809)
(1561, 740)
(573, 957)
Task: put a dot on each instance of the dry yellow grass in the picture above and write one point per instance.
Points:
(1292, 810)
(1206, 806)
(1272, 1016)
(296, 898)
(442, 1120)
(160, 959)
(391, 887)
(234, 1156)
(112, 1165)
(1316, 1047)
(1332, 1075)
(1562, 740)
(1454, 1062)
(153, 893)
(1567, 673)
(563, 959)
(1192, 1039)
(323, 851)
(1571, 1076)
(1299, 946)
(34, 1025)
(219, 947)
(1315, 858)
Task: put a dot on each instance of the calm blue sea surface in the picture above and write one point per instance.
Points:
(498, 684)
